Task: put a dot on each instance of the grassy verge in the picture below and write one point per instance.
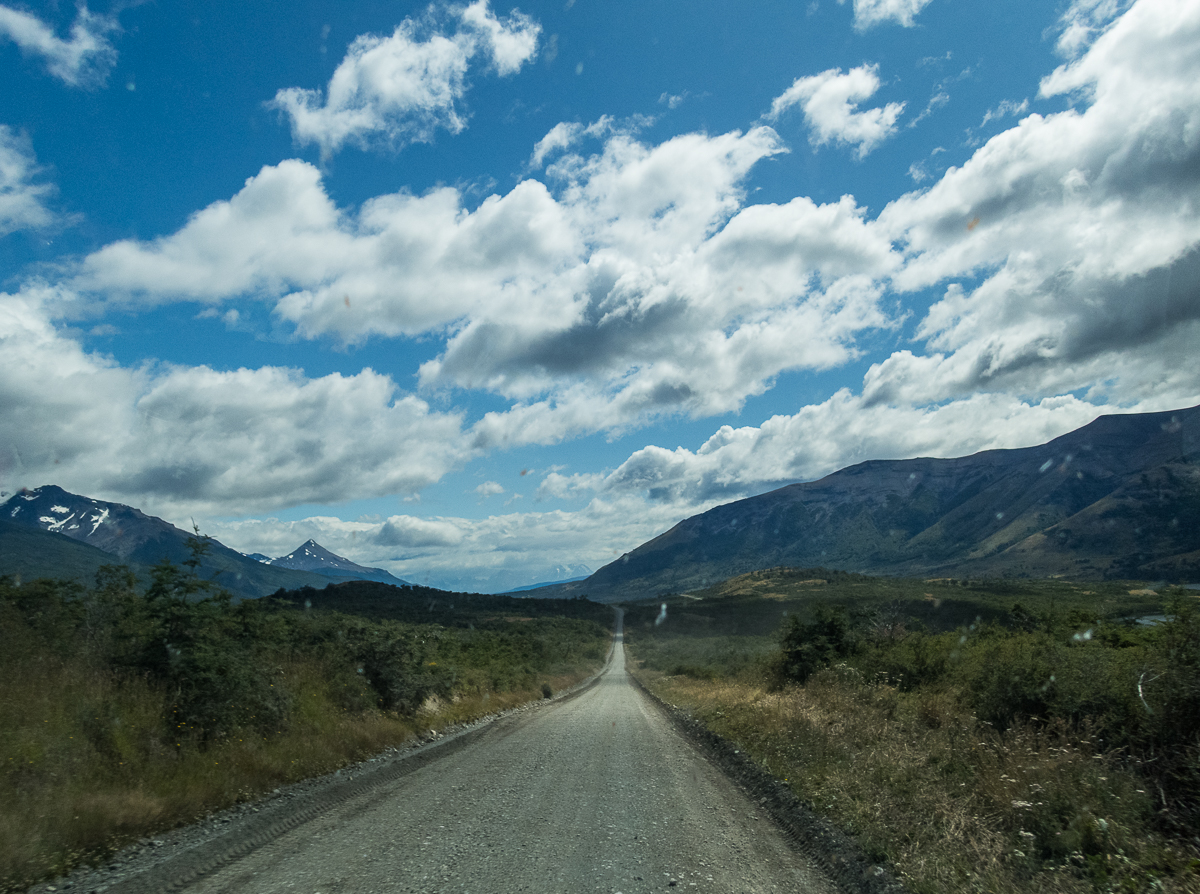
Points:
(127, 713)
(1019, 755)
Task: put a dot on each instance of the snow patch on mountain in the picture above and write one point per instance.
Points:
(55, 524)
(98, 520)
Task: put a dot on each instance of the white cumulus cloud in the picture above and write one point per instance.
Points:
(331, 272)
(489, 489)
(1083, 20)
(83, 60)
(869, 13)
(829, 101)
(560, 137)
(511, 41)
(566, 134)
(639, 285)
(22, 199)
(391, 91)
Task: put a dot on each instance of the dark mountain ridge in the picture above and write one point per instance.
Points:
(1119, 497)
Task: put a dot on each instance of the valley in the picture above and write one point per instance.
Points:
(992, 683)
(600, 447)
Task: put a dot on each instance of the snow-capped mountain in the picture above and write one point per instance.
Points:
(311, 556)
(133, 537)
(123, 531)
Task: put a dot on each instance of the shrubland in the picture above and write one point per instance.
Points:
(127, 709)
(974, 735)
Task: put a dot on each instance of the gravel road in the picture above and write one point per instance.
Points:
(598, 793)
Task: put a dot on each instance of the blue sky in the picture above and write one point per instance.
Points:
(483, 294)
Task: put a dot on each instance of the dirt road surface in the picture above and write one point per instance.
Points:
(598, 793)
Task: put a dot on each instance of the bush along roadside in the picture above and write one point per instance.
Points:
(1050, 752)
(127, 711)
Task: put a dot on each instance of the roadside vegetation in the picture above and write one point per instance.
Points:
(973, 735)
(127, 710)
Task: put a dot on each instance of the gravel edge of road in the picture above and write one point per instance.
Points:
(836, 852)
(184, 855)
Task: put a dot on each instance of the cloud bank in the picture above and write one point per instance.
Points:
(1081, 225)
(654, 488)
(176, 440)
(635, 284)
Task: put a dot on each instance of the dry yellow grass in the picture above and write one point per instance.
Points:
(71, 795)
(950, 804)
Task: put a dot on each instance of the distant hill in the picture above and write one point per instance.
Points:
(500, 580)
(547, 583)
(311, 556)
(427, 605)
(1118, 498)
(124, 535)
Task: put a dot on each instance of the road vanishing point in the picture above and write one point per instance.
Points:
(596, 793)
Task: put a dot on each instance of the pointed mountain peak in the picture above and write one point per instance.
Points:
(311, 556)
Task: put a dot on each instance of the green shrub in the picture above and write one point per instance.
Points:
(127, 710)
(398, 672)
(918, 659)
(808, 646)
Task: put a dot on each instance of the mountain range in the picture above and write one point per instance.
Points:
(50, 532)
(53, 533)
(1118, 498)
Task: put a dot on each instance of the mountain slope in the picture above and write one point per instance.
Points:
(27, 553)
(1118, 497)
(311, 556)
(128, 535)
